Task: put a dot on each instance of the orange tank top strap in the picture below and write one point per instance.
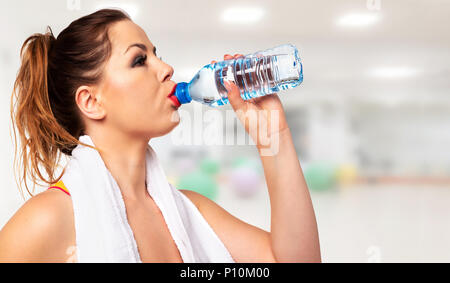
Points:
(60, 186)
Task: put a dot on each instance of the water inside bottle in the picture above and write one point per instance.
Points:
(255, 75)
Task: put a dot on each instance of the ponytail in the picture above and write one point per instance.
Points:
(42, 138)
(45, 117)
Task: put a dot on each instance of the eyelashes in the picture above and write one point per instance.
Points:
(140, 61)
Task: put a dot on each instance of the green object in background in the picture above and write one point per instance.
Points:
(210, 166)
(320, 176)
(200, 182)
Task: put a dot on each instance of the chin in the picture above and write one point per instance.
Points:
(167, 130)
(174, 125)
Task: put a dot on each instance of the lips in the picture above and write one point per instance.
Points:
(173, 97)
(173, 91)
(175, 100)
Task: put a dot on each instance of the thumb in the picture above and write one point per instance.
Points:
(234, 96)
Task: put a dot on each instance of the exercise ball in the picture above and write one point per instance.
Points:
(210, 166)
(346, 174)
(245, 178)
(200, 182)
(320, 176)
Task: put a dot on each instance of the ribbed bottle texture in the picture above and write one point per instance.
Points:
(256, 75)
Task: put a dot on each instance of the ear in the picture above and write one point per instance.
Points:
(89, 103)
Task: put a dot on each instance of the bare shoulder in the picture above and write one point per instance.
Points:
(194, 197)
(245, 242)
(40, 231)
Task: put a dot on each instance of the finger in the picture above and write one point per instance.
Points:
(234, 96)
(238, 55)
(213, 62)
(227, 57)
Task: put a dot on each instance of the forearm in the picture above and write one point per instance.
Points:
(294, 235)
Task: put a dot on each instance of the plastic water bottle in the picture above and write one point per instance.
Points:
(257, 74)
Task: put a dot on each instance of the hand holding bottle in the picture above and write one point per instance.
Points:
(262, 117)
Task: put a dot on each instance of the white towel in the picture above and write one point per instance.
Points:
(103, 233)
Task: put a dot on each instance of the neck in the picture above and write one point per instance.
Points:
(124, 156)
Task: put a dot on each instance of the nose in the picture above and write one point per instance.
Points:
(166, 72)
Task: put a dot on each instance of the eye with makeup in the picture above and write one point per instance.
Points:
(139, 61)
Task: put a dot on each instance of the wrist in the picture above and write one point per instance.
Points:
(277, 141)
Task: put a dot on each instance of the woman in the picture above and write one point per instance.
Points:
(101, 78)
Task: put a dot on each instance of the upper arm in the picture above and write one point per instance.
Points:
(41, 231)
(245, 242)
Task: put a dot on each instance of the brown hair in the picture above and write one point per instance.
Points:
(43, 107)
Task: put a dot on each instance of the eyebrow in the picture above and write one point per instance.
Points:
(141, 46)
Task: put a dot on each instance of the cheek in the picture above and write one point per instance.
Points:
(132, 101)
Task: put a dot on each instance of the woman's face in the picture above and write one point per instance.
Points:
(136, 85)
